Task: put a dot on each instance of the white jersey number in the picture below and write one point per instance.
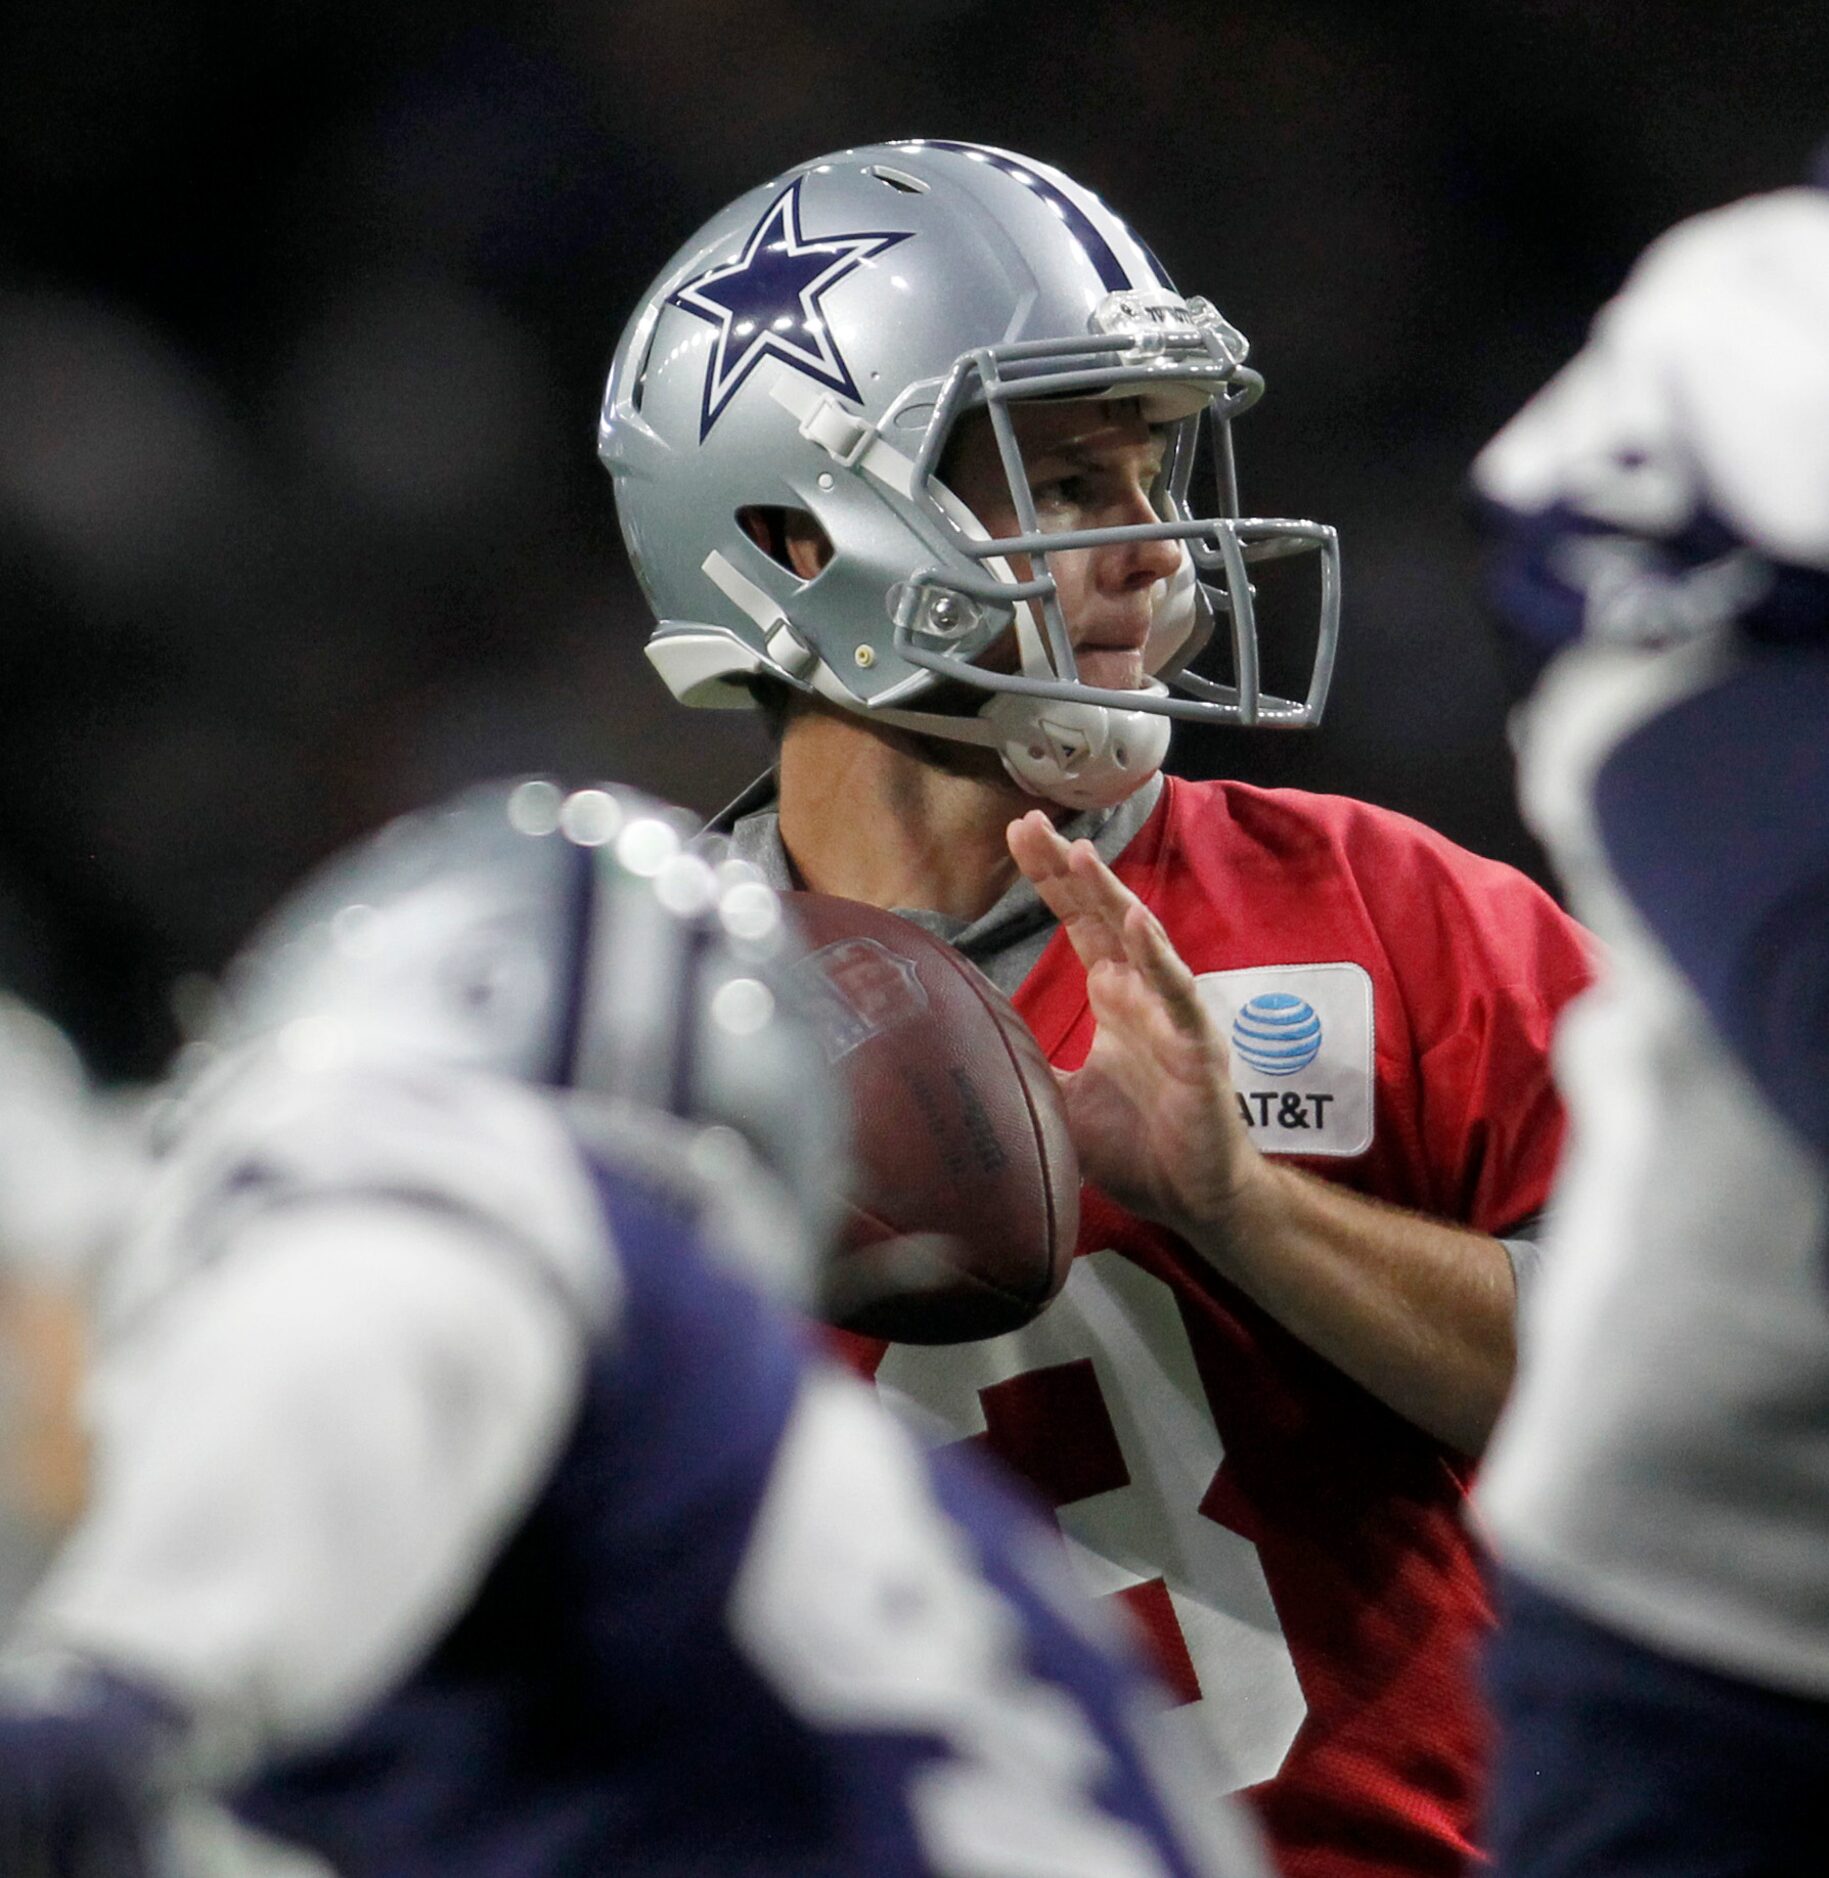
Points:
(1129, 1453)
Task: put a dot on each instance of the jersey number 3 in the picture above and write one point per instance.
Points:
(1099, 1405)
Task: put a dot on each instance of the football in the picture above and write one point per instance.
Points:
(964, 1203)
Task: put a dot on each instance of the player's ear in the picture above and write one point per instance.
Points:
(809, 547)
(790, 536)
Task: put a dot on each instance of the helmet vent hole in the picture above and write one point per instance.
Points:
(899, 180)
(790, 537)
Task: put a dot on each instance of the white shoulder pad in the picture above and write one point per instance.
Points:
(263, 1132)
(1705, 379)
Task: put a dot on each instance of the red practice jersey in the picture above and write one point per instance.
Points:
(1294, 1550)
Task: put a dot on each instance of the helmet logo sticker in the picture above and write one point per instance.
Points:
(767, 303)
(1067, 745)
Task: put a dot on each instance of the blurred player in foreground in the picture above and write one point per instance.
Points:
(1659, 1488)
(71, 1165)
(460, 1506)
(918, 446)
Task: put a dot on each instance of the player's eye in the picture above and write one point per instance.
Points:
(1060, 492)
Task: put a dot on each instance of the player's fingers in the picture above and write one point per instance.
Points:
(1037, 848)
(1135, 1044)
(1047, 861)
(1123, 1028)
(1132, 936)
(1103, 900)
(1100, 888)
(1148, 947)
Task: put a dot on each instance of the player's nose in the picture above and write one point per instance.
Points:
(1141, 563)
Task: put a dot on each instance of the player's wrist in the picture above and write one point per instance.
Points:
(1230, 1224)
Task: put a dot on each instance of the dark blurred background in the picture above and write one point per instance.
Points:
(305, 310)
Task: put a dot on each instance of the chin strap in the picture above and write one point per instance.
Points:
(1083, 756)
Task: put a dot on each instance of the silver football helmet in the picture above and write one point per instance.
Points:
(813, 348)
(583, 940)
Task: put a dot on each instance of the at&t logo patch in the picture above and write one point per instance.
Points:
(1301, 1043)
(1277, 1033)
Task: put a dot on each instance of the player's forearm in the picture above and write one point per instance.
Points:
(1419, 1312)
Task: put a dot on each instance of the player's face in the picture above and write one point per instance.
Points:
(1090, 464)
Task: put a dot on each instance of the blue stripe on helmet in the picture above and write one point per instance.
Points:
(1149, 254)
(1080, 225)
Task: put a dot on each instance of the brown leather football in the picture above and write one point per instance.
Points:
(965, 1200)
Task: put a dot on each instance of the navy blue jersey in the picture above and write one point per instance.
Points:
(1714, 813)
(745, 1628)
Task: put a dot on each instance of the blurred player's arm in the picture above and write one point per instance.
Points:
(309, 1463)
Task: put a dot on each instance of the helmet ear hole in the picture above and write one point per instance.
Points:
(792, 538)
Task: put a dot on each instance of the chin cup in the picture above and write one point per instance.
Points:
(1083, 756)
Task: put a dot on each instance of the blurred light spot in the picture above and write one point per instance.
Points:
(742, 1006)
(645, 847)
(590, 817)
(535, 806)
(750, 910)
(685, 886)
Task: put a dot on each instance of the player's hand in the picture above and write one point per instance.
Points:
(75, 1791)
(1152, 1109)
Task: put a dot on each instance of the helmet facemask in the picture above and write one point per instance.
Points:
(1060, 734)
(1182, 362)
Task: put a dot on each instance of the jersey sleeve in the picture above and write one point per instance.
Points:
(1485, 961)
(306, 1467)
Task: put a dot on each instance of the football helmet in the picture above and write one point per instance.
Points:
(814, 347)
(583, 940)
(1643, 498)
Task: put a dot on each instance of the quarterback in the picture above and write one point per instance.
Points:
(917, 447)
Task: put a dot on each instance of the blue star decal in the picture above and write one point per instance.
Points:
(766, 303)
